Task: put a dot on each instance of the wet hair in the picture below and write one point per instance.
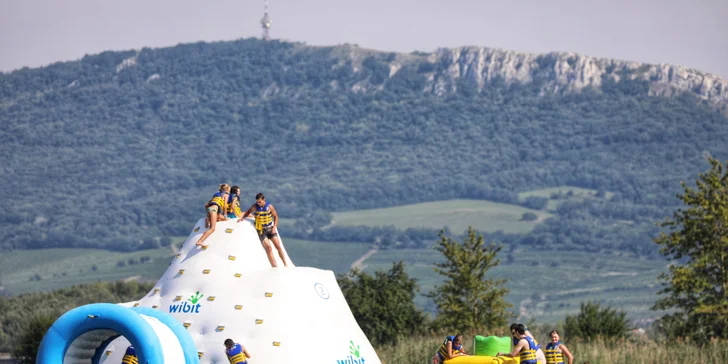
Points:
(260, 196)
(458, 336)
(520, 329)
(225, 187)
(554, 331)
(229, 342)
(514, 326)
(235, 190)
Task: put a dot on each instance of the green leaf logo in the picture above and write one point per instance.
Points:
(196, 297)
(353, 349)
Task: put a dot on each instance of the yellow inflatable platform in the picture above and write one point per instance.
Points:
(483, 360)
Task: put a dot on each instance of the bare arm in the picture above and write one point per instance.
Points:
(275, 217)
(247, 213)
(246, 352)
(516, 350)
(567, 353)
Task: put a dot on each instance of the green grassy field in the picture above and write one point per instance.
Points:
(567, 192)
(547, 287)
(485, 216)
(58, 268)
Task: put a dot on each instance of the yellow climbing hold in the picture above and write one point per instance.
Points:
(228, 230)
(276, 343)
(211, 298)
(200, 354)
(181, 271)
(206, 271)
(108, 352)
(269, 294)
(197, 229)
(231, 257)
(155, 306)
(204, 247)
(258, 321)
(238, 307)
(220, 328)
(178, 298)
(187, 324)
(136, 304)
(238, 275)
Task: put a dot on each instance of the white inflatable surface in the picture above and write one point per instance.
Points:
(228, 290)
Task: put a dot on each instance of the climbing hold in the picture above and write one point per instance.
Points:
(231, 257)
(178, 298)
(108, 352)
(179, 255)
(228, 230)
(238, 275)
(258, 321)
(220, 328)
(136, 304)
(156, 290)
(200, 354)
(155, 306)
(269, 294)
(206, 271)
(181, 271)
(211, 298)
(204, 247)
(238, 307)
(276, 343)
(197, 229)
(187, 324)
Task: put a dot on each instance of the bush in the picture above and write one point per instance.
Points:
(29, 339)
(593, 322)
(529, 216)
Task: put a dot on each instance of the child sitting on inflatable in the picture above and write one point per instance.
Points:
(451, 348)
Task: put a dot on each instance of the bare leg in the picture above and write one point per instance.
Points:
(277, 243)
(213, 221)
(269, 252)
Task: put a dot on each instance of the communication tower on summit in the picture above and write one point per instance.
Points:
(265, 23)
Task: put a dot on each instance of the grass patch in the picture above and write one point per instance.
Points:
(486, 216)
(568, 193)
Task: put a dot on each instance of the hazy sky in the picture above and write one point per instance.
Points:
(692, 33)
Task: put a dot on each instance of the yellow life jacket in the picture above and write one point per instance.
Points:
(553, 356)
(528, 356)
(233, 207)
(263, 217)
(236, 354)
(219, 200)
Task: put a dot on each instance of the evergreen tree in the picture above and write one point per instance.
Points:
(697, 282)
(468, 300)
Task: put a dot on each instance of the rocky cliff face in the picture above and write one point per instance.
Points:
(556, 72)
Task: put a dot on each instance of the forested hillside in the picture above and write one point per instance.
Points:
(122, 146)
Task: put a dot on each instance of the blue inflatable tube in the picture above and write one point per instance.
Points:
(100, 316)
(184, 338)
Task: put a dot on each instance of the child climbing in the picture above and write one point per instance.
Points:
(236, 353)
(215, 210)
(266, 222)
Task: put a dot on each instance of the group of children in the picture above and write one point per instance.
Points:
(225, 204)
(236, 354)
(525, 347)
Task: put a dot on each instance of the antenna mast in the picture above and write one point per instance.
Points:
(265, 23)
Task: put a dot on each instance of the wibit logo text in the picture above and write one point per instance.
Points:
(354, 358)
(184, 307)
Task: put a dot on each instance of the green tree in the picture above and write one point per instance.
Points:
(29, 339)
(468, 300)
(697, 282)
(383, 304)
(594, 321)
